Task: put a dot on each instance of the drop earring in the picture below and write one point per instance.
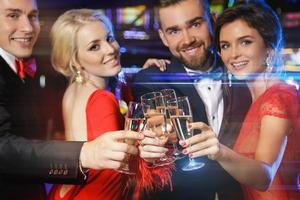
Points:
(269, 69)
(229, 79)
(268, 61)
(78, 76)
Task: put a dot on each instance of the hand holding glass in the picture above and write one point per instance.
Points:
(181, 115)
(134, 121)
(155, 113)
(169, 94)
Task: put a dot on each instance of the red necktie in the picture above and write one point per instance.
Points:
(26, 66)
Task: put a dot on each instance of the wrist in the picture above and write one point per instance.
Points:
(82, 157)
(220, 155)
(82, 162)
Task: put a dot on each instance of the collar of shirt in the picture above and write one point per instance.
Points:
(193, 72)
(214, 73)
(209, 88)
(9, 58)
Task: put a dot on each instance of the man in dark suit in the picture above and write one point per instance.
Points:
(197, 72)
(24, 162)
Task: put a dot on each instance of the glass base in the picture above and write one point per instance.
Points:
(164, 161)
(126, 170)
(193, 165)
(178, 155)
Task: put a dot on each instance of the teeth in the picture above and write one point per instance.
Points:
(109, 61)
(22, 39)
(190, 51)
(239, 64)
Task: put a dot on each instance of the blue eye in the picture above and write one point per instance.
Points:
(196, 24)
(246, 42)
(33, 17)
(172, 32)
(94, 47)
(224, 46)
(13, 15)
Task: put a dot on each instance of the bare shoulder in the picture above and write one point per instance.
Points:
(68, 97)
(74, 110)
(77, 94)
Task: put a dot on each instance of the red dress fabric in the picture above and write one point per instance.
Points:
(103, 114)
(280, 100)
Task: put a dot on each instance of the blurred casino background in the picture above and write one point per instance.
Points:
(136, 31)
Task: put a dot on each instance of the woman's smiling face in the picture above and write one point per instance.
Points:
(242, 49)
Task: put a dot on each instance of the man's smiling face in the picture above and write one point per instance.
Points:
(20, 26)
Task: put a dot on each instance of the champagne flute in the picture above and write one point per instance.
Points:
(181, 115)
(169, 94)
(155, 113)
(134, 121)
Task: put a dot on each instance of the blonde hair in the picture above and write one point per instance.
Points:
(64, 36)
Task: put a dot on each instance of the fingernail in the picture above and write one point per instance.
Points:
(141, 136)
(190, 155)
(190, 126)
(182, 143)
(184, 151)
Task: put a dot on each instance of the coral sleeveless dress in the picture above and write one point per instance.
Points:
(280, 100)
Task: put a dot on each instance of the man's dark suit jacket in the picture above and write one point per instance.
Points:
(26, 163)
(205, 182)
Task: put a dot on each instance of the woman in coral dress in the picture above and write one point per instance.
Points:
(249, 38)
(84, 48)
(278, 101)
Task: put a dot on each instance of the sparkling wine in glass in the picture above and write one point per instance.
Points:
(169, 94)
(134, 121)
(155, 114)
(181, 116)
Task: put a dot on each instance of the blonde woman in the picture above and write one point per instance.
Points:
(84, 48)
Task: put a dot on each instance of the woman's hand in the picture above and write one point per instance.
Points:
(204, 144)
(160, 63)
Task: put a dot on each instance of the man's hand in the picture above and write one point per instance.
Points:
(109, 150)
(160, 63)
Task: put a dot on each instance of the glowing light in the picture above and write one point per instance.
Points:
(230, 3)
(43, 81)
(137, 35)
(291, 81)
(123, 50)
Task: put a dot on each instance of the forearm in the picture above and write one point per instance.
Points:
(245, 170)
(52, 161)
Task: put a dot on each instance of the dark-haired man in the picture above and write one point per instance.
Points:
(197, 72)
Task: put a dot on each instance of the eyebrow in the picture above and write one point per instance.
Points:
(13, 10)
(189, 22)
(240, 38)
(16, 10)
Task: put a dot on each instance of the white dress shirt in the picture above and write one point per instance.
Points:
(9, 58)
(210, 92)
